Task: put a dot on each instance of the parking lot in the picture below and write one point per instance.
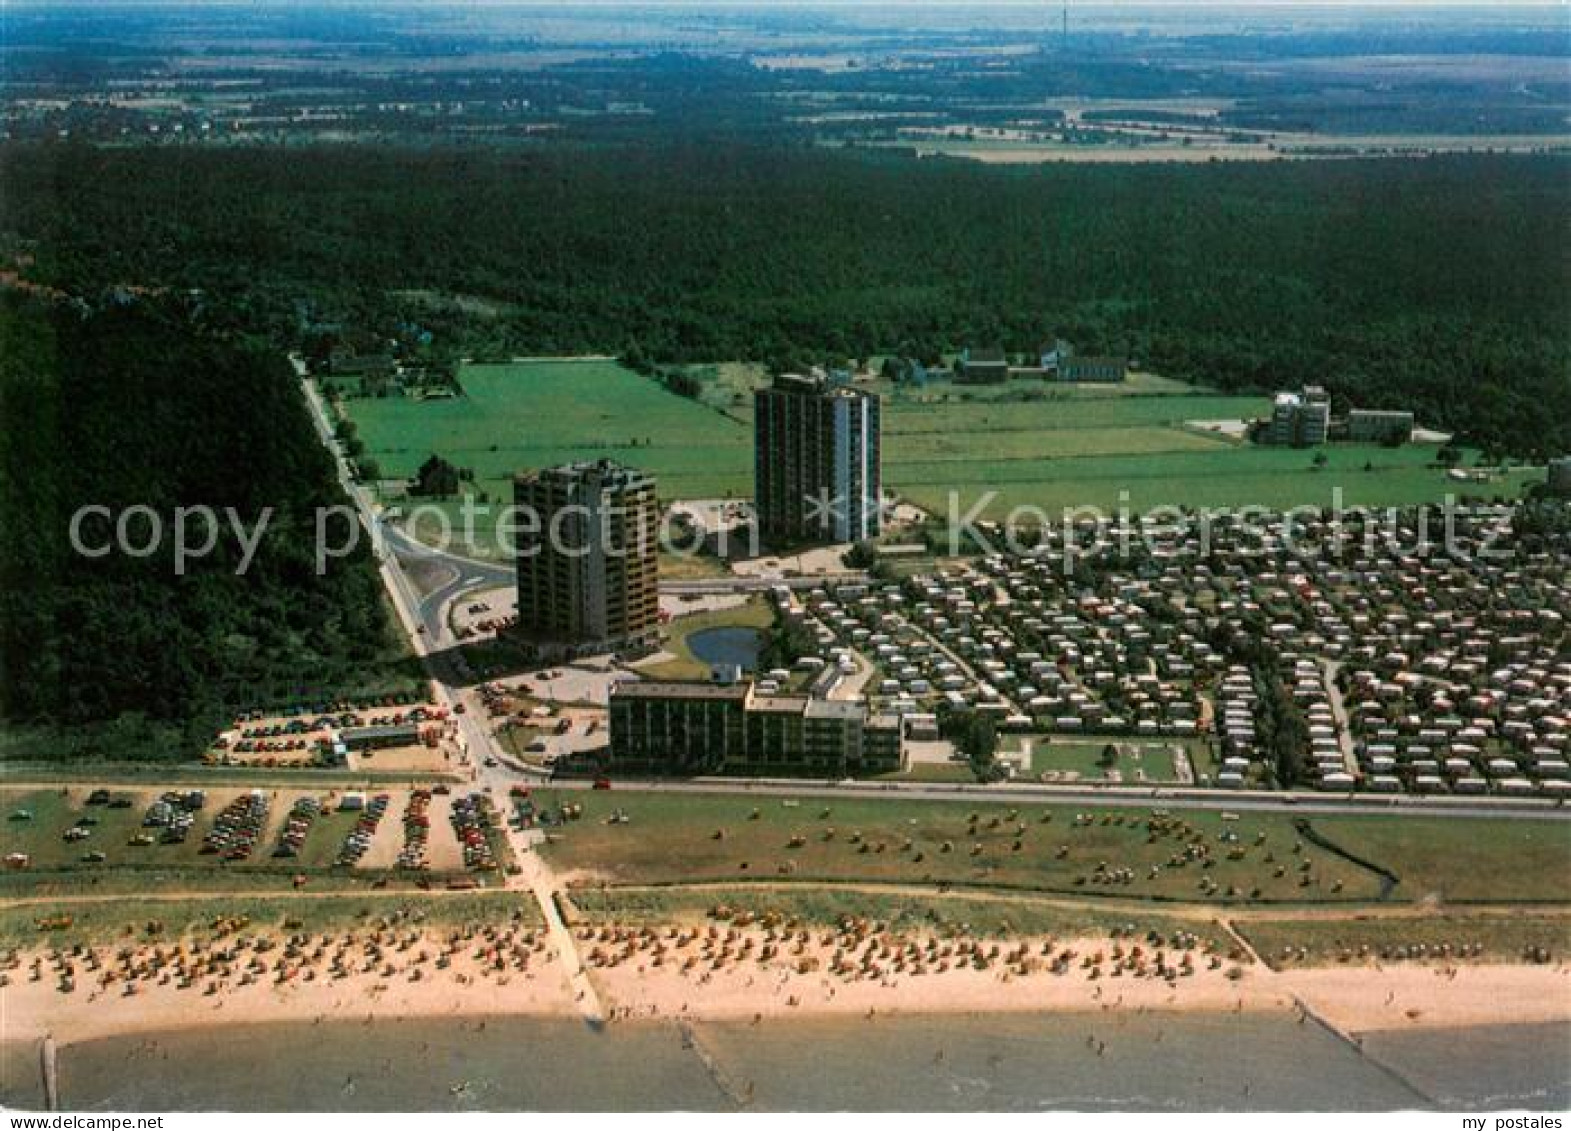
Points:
(82, 829)
(322, 735)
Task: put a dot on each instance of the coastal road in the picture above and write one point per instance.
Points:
(1526, 809)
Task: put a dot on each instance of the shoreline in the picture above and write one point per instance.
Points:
(730, 975)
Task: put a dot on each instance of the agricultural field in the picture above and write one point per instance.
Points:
(1256, 859)
(1026, 443)
(540, 413)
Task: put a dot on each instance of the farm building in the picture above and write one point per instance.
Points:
(1372, 426)
(982, 366)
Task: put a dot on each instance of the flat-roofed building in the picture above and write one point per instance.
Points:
(817, 461)
(1375, 426)
(380, 736)
(677, 727)
(982, 366)
(1093, 368)
(696, 727)
(587, 551)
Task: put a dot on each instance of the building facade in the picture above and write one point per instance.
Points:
(587, 553)
(1372, 426)
(1299, 420)
(1092, 368)
(816, 461)
(690, 728)
(982, 366)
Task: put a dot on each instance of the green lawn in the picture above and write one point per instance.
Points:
(1504, 938)
(1455, 860)
(541, 413)
(960, 913)
(1154, 760)
(1218, 474)
(934, 772)
(756, 613)
(671, 838)
(1031, 443)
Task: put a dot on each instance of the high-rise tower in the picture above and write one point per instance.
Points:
(816, 472)
(587, 558)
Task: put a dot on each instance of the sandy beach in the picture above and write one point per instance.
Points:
(380, 976)
(720, 971)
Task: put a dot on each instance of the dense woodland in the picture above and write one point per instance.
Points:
(155, 375)
(1439, 284)
(140, 405)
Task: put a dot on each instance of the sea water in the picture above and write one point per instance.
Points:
(1011, 1062)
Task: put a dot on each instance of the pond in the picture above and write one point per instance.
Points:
(729, 645)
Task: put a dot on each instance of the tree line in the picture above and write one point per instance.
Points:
(1437, 284)
(140, 406)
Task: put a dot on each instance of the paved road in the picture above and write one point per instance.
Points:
(425, 624)
(1528, 809)
(458, 575)
(473, 573)
(1330, 669)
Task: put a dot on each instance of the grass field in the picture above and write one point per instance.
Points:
(1136, 761)
(1453, 861)
(672, 839)
(943, 914)
(1503, 938)
(127, 919)
(541, 413)
(1115, 450)
(1220, 475)
(1033, 444)
(934, 772)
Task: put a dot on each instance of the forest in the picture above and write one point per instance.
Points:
(143, 405)
(1437, 284)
